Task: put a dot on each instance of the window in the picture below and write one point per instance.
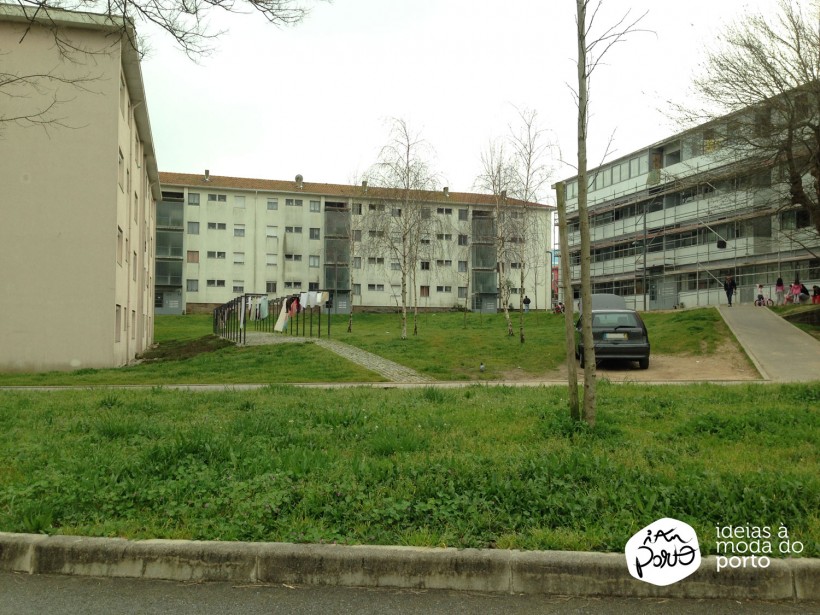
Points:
(193, 198)
(293, 202)
(313, 285)
(462, 266)
(217, 226)
(293, 257)
(272, 231)
(215, 254)
(395, 212)
(376, 287)
(515, 265)
(192, 286)
(444, 289)
(193, 228)
(121, 172)
(463, 240)
(314, 233)
(273, 204)
(238, 258)
(463, 214)
(357, 209)
(119, 245)
(357, 235)
(239, 286)
(238, 230)
(193, 256)
(425, 265)
(444, 263)
(118, 324)
(444, 237)
(293, 285)
(215, 283)
(447, 211)
(270, 260)
(373, 233)
(315, 206)
(313, 261)
(424, 291)
(462, 292)
(395, 265)
(357, 289)
(217, 198)
(293, 229)
(270, 287)
(375, 207)
(357, 262)
(375, 260)
(239, 201)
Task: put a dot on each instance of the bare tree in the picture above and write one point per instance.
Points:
(591, 50)
(185, 21)
(403, 218)
(765, 74)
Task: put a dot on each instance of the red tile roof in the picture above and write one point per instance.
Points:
(372, 193)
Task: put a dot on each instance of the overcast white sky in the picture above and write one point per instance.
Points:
(315, 98)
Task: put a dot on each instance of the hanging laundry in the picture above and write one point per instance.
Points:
(282, 321)
(241, 312)
(263, 308)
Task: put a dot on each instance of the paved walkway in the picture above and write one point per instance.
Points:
(780, 351)
(384, 367)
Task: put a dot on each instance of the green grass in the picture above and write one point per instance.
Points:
(448, 347)
(474, 467)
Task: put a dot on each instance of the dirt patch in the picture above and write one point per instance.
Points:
(174, 350)
(728, 362)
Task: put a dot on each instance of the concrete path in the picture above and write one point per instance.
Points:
(384, 367)
(780, 351)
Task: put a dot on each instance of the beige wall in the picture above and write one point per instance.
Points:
(62, 205)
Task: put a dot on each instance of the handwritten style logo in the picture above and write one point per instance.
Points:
(664, 552)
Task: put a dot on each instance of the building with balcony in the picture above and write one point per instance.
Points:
(669, 222)
(219, 237)
(78, 194)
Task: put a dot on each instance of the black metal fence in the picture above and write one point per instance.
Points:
(260, 313)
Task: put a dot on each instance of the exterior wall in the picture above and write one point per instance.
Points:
(656, 217)
(71, 226)
(257, 239)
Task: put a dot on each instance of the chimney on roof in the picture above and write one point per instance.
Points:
(300, 181)
(364, 185)
(207, 175)
(503, 194)
(447, 192)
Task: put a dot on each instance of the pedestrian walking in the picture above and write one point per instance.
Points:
(526, 304)
(780, 291)
(729, 286)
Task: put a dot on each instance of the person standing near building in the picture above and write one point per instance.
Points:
(729, 286)
(780, 291)
(526, 304)
(794, 291)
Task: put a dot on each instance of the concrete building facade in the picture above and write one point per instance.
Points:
(78, 195)
(669, 222)
(219, 237)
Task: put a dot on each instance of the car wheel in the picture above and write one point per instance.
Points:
(643, 363)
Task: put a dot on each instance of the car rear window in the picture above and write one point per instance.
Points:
(624, 319)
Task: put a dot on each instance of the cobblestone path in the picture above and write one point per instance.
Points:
(389, 369)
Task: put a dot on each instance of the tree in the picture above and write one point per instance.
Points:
(591, 50)
(185, 21)
(403, 218)
(765, 75)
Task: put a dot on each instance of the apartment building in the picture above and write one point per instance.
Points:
(78, 195)
(220, 237)
(670, 221)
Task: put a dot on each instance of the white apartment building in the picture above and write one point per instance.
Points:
(220, 237)
(77, 196)
(669, 222)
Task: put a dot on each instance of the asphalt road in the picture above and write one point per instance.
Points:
(22, 594)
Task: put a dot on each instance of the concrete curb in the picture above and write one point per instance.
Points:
(494, 571)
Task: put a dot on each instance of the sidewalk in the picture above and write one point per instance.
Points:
(780, 351)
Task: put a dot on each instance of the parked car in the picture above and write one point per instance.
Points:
(617, 334)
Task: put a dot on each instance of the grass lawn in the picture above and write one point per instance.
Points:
(474, 467)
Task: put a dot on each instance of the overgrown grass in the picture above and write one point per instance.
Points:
(475, 467)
